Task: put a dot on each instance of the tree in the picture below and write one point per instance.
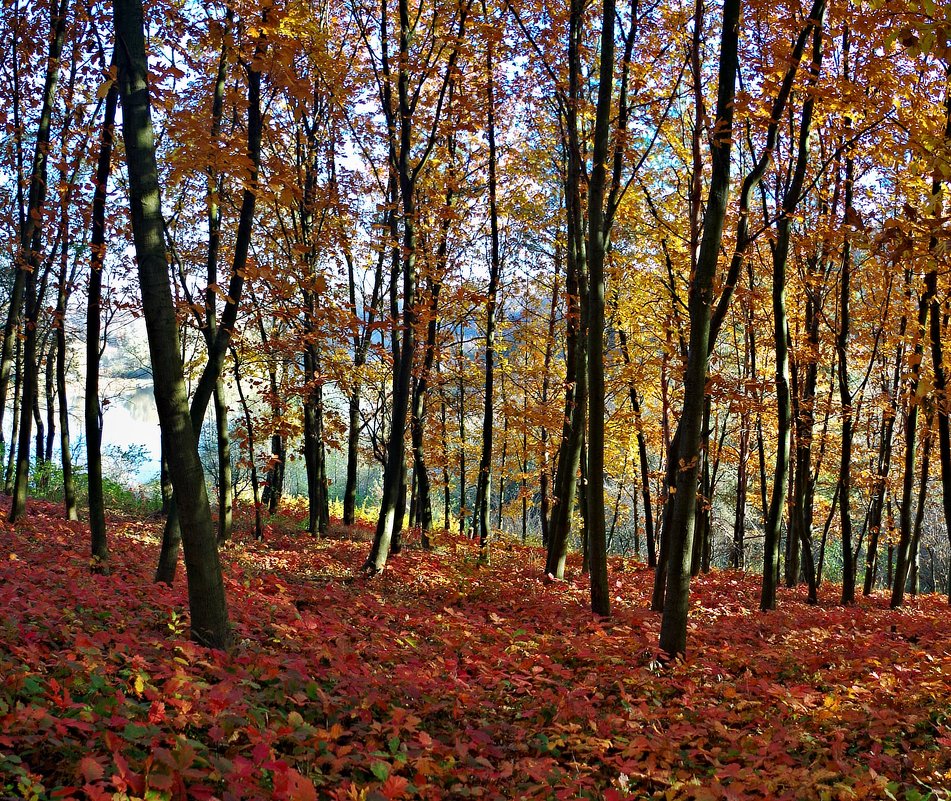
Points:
(209, 615)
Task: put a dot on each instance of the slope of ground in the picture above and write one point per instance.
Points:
(441, 679)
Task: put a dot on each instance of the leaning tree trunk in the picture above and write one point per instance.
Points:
(209, 615)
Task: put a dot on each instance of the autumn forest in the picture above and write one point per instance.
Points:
(552, 399)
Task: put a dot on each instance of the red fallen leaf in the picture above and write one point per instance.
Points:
(161, 781)
(394, 787)
(95, 792)
(157, 712)
(301, 787)
(90, 769)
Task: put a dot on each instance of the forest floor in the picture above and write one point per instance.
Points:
(441, 679)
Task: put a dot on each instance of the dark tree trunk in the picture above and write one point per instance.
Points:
(673, 635)
(62, 297)
(94, 347)
(791, 200)
(209, 616)
(219, 344)
(408, 173)
(544, 469)
(576, 301)
(905, 528)
(484, 478)
(937, 330)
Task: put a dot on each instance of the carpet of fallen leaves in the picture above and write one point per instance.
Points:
(441, 679)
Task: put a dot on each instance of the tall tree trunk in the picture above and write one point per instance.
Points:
(33, 304)
(213, 188)
(599, 232)
(937, 355)
(913, 577)
(543, 468)
(911, 441)
(209, 616)
(408, 173)
(25, 279)
(361, 345)
(791, 200)
(673, 634)
(569, 450)
(484, 478)
(66, 456)
(462, 434)
(502, 461)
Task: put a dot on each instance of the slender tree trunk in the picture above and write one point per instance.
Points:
(791, 200)
(94, 347)
(66, 456)
(544, 469)
(11, 456)
(462, 435)
(599, 232)
(218, 345)
(845, 397)
(569, 450)
(33, 304)
(361, 345)
(937, 355)
(484, 479)
(673, 635)
(225, 486)
(913, 577)
(252, 466)
(502, 460)
(908, 479)
(25, 282)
